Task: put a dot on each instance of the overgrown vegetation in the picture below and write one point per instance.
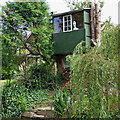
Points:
(42, 76)
(62, 102)
(17, 99)
(19, 19)
(95, 77)
(93, 92)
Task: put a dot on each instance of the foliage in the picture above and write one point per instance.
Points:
(95, 77)
(40, 75)
(17, 98)
(18, 18)
(78, 4)
(62, 102)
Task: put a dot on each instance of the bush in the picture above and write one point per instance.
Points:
(40, 75)
(62, 102)
(95, 77)
(17, 98)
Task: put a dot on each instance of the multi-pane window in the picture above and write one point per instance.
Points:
(67, 23)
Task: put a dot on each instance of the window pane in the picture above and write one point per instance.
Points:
(69, 23)
(65, 28)
(69, 28)
(58, 24)
(78, 18)
(69, 18)
(65, 18)
(65, 23)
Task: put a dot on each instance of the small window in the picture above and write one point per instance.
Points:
(58, 24)
(78, 18)
(67, 23)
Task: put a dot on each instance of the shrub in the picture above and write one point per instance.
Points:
(40, 75)
(17, 98)
(62, 102)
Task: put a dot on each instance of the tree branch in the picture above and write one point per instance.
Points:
(44, 58)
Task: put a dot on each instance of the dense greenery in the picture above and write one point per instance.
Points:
(40, 75)
(18, 18)
(95, 76)
(17, 98)
(94, 72)
(62, 103)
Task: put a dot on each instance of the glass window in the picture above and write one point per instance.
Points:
(58, 24)
(78, 18)
(67, 23)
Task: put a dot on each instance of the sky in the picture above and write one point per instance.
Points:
(110, 8)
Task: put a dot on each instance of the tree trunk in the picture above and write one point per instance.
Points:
(97, 23)
(92, 22)
(60, 60)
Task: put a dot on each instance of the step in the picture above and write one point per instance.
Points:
(45, 108)
(32, 115)
(48, 112)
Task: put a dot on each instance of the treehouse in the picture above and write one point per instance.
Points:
(70, 29)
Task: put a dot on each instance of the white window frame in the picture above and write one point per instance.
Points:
(67, 23)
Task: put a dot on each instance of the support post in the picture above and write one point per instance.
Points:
(60, 62)
(97, 23)
(92, 22)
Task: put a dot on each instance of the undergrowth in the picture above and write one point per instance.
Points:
(17, 99)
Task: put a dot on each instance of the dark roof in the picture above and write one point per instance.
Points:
(69, 12)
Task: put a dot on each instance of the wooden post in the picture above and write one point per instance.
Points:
(60, 62)
(92, 22)
(97, 23)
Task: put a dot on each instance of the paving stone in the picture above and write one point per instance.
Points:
(46, 113)
(32, 115)
(28, 114)
(46, 108)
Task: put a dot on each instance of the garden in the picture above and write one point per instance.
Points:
(92, 88)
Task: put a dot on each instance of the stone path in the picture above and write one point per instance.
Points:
(40, 112)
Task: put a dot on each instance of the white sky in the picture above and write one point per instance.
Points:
(110, 8)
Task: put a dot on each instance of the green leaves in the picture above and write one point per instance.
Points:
(77, 4)
(95, 73)
(16, 99)
(18, 18)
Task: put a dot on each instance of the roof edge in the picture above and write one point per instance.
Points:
(70, 12)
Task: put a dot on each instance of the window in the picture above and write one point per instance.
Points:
(78, 18)
(67, 23)
(58, 24)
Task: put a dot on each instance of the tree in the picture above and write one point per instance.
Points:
(18, 18)
(78, 4)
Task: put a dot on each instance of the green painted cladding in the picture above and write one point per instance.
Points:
(86, 16)
(65, 42)
(86, 20)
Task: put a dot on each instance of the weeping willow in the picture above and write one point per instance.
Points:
(95, 76)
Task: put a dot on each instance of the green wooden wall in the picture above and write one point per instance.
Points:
(86, 19)
(65, 42)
